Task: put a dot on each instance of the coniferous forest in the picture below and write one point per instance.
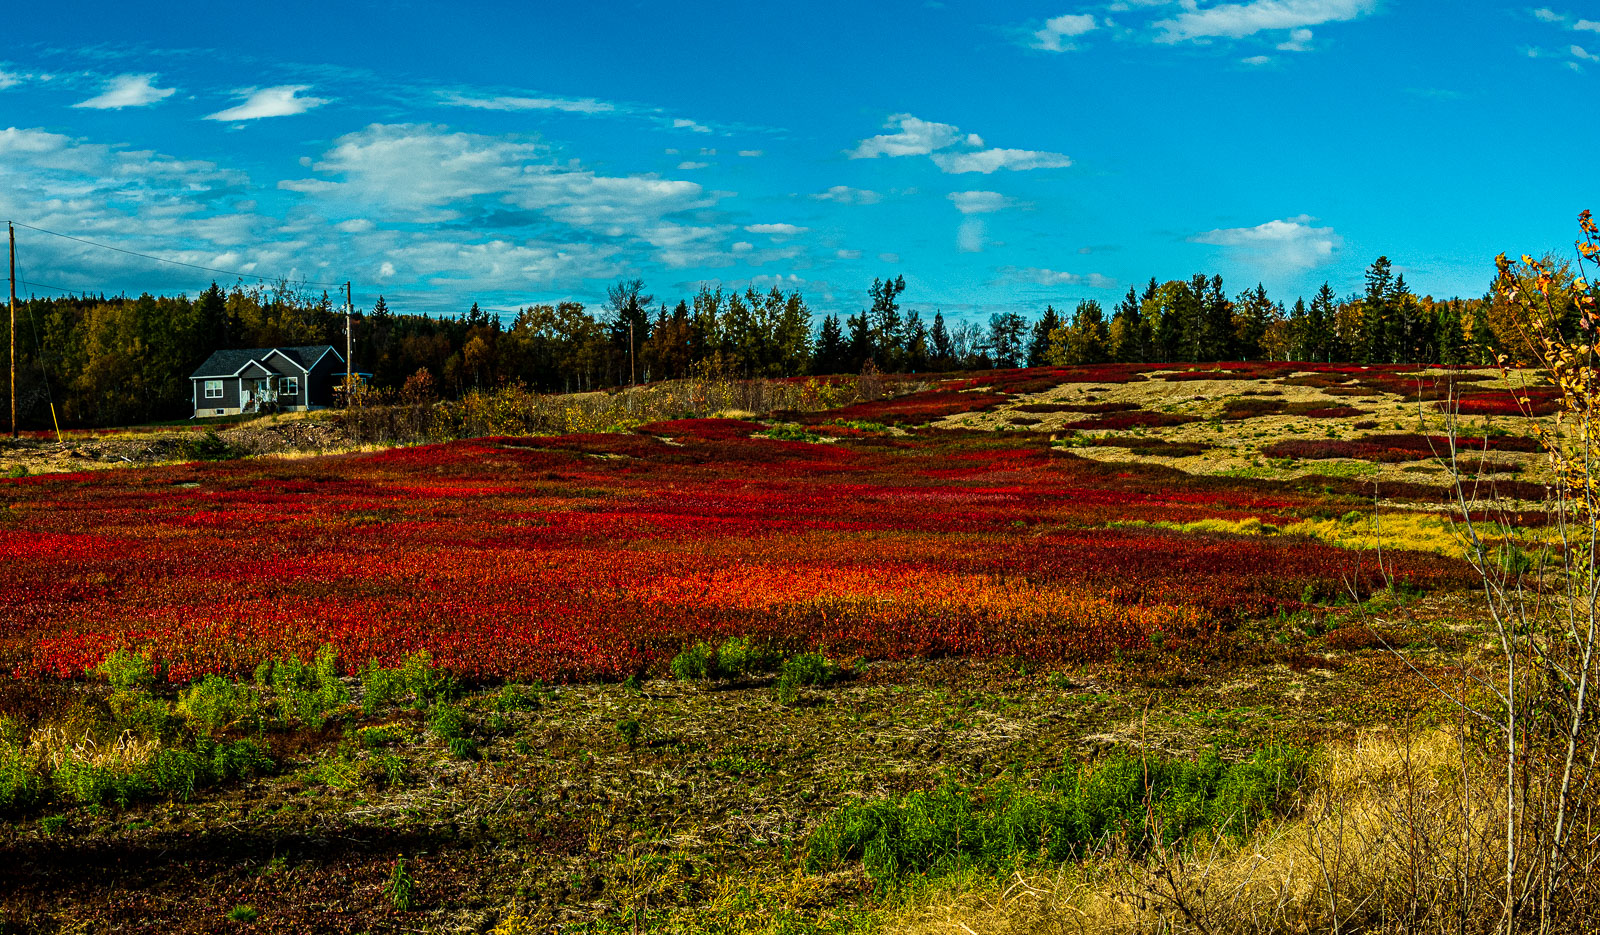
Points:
(113, 361)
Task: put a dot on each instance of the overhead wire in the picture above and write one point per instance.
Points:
(159, 259)
(44, 374)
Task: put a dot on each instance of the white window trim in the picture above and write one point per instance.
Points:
(291, 386)
(215, 385)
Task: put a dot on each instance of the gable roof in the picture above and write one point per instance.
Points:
(228, 363)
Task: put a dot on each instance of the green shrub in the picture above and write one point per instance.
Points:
(21, 784)
(519, 698)
(383, 771)
(630, 730)
(242, 914)
(214, 705)
(786, 690)
(739, 657)
(451, 725)
(809, 669)
(305, 693)
(128, 671)
(415, 678)
(693, 663)
(1068, 816)
(382, 735)
(208, 446)
(401, 888)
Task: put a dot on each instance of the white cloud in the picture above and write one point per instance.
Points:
(1286, 245)
(355, 226)
(845, 195)
(1057, 31)
(10, 79)
(128, 91)
(1299, 41)
(943, 143)
(583, 105)
(847, 254)
(280, 101)
(683, 123)
(1588, 25)
(970, 236)
(979, 202)
(1050, 277)
(912, 137)
(889, 257)
(1256, 60)
(688, 165)
(417, 173)
(742, 246)
(385, 270)
(1237, 20)
(1547, 15)
(1579, 51)
(752, 153)
(776, 230)
(989, 160)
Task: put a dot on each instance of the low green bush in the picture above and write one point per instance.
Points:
(128, 671)
(451, 725)
(1068, 816)
(416, 679)
(215, 705)
(809, 669)
(305, 693)
(694, 663)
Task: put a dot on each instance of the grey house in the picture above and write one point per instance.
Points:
(267, 378)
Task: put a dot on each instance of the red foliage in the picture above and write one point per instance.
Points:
(599, 556)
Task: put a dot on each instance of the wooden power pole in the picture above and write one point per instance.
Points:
(349, 372)
(11, 236)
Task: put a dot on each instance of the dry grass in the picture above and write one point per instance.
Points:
(1397, 834)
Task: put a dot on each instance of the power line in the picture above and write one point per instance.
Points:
(159, 259)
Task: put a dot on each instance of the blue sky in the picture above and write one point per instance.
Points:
(998, 155)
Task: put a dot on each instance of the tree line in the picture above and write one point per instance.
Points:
(121, 360)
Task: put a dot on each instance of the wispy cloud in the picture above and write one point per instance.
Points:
(775, 230)
(990, 160)
(1287, 245)
(128, 91)
(509, 102)
(1238, 20)
(912, 137)
(979, 202)
(950, 149)
(1057, 33)
(970, 236)
(845, 195)
(1049, 277)
(1575, 53)
(280, 101)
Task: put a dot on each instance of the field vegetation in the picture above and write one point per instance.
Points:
(1107, 647)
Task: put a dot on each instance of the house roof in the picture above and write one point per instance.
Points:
(228, 363)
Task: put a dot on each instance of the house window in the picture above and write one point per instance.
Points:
(291, 386)
(213, 389)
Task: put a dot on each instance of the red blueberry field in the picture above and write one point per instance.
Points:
(600, 556)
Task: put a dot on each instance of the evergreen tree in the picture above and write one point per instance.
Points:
(885, 320)
(829, 356)
(1128, 333)
(1449, 341)
(1039, 339)
(1219, 334)
(944, 357)
(1376, 342)
(914, 341)
(1253, 312)
(860, 348)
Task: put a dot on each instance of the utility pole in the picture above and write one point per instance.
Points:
(11, 235)
(349, 372)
